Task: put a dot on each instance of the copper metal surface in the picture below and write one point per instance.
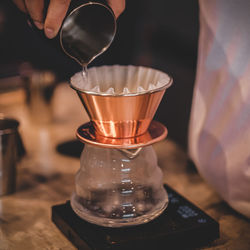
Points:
(121, 116)
(156, 132)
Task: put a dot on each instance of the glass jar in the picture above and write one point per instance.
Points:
(116, 187)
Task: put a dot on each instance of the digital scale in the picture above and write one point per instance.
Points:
(181, 226)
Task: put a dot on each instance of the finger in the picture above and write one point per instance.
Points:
(55, 15)
(118, 6)
(20, 5)
(35, 10)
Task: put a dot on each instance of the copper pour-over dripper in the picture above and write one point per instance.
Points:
(123, 116)
(122, 120)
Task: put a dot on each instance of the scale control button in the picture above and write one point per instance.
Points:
(202, 220)
(174, 200)
(170, 195)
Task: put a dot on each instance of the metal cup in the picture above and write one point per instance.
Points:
(88, 29)
(11, 148)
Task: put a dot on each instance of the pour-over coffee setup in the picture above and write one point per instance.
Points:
(119, 183)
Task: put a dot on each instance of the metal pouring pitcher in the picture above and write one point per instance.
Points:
(88, 29)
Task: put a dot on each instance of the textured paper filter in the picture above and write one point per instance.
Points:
(120, 80)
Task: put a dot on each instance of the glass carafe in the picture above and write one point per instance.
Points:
(118, 187)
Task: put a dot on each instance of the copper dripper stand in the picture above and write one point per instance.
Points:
(156, 132)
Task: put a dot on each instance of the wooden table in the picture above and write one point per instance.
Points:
(46, 178)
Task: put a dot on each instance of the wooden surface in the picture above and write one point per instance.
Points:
(46, 178)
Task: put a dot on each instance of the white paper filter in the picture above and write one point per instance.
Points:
(120, 80)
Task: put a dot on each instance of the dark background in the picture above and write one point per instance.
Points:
(162, 34)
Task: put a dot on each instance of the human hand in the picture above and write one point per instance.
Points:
(56, 12)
